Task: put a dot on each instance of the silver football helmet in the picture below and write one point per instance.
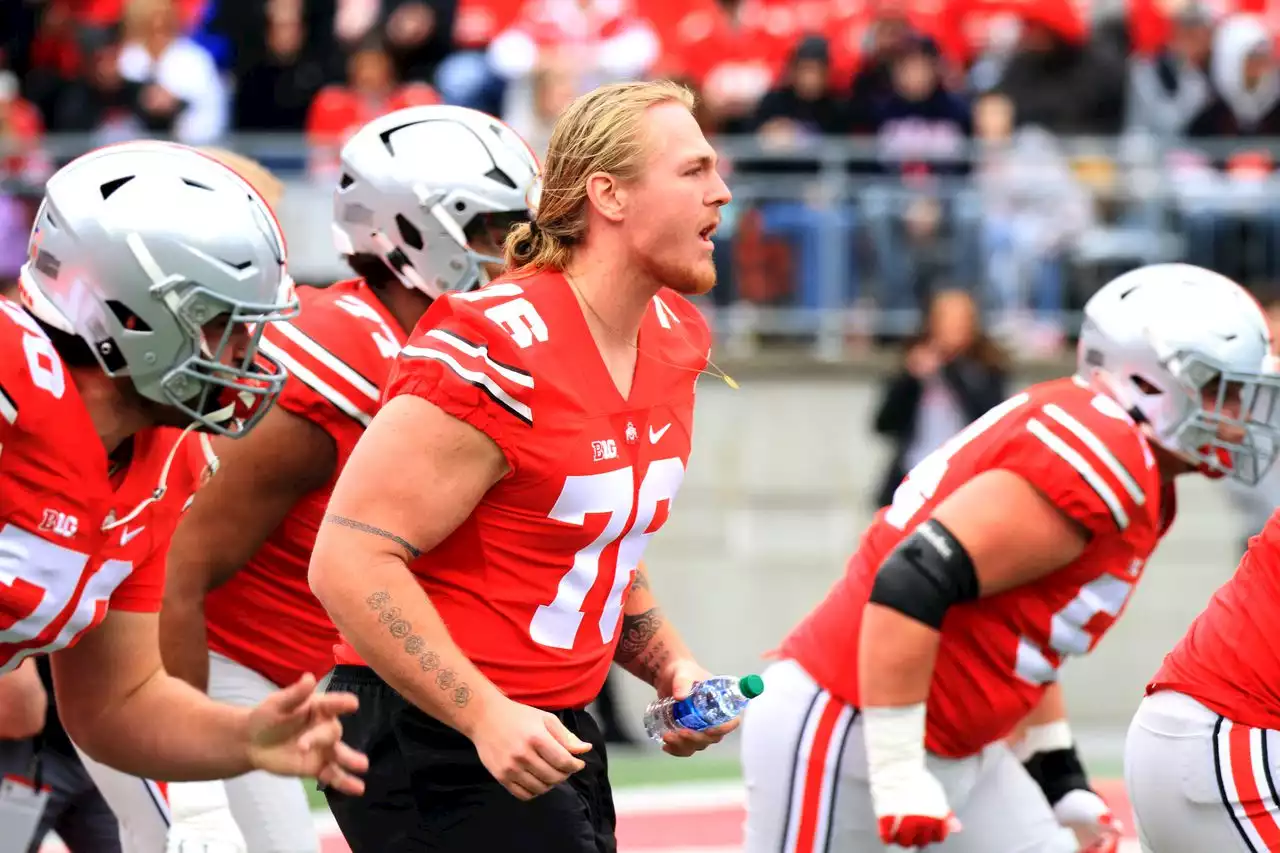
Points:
(420, 185)
(1188, 354)
(136, 249)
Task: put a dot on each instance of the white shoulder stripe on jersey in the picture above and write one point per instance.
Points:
(1086, 471)
(329, 360)
(8, 408)
(315, 383)
(519, 377)
(482, 381)
(1091, 441)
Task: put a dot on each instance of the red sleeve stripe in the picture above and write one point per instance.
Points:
(329, 361)
(301, 374)
(1099, 449)
(1082, 467)
(511, 374)
(8, 408)
(480, 380)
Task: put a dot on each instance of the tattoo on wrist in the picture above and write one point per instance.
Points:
(343, 521)
(415, 646)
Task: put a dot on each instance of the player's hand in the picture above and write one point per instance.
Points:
(528, 751)
(296, 732)
(912, 810)
(677, 681)
(1090, 818)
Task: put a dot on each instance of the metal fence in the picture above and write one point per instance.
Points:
(833, 242)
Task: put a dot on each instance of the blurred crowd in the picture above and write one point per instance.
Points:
(881, 150)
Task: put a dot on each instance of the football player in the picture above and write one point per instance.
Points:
(424, 201)
(152, 271)
(533, 436)
(1202, 757)
(1014, 546)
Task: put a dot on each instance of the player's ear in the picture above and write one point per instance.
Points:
(607, 195)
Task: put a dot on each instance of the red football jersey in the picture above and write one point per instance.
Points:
(338, 353)
(60, 570)
(1228, 659)
(532, 585)
(998, 654)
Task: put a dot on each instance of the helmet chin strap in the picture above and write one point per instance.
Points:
(161, 487)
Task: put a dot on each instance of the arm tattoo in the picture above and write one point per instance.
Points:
(416, 647)
(330, 518)
(641, 581)
(637, 631)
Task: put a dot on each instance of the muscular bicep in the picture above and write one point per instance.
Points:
(1011, 531)
(260, 478)
(415, 476)
(97, 674)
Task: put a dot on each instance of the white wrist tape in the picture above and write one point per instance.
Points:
(895, 743)
(1044, 738)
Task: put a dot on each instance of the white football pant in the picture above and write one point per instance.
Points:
(1199, 782)
(805, 768)
(272, 811)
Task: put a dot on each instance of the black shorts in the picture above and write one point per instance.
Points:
(426, 788)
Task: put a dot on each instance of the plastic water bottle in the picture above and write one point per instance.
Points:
(713, 702)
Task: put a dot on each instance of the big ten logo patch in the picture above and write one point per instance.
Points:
(60, 523)
(602, 450)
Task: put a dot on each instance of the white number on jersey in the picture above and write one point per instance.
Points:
(1068, 630)
(38, 581)
(556, 624)
(383, 337)
(42, 360)
(517, 316)
(922, 481)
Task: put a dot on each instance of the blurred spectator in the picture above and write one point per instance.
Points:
(464, 76)
(600, 40)
(99, 101)
(20, 132)
(952, 373)
(921, 135)
(554, 85)
(1227, 197)
(276, 88)
(182, 93)
(339, 110)
(798, 112)
(731, 51)
(1033, 210)
(419, 34)
(1060, 81)
(1170, 90)
(886, 37)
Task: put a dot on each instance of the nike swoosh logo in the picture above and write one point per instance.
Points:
(127, 535)
(655, 435)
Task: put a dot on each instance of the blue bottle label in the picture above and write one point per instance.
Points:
(684, 713)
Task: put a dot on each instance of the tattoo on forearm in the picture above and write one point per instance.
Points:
(416, 647)
(342, 520)
(637, 631)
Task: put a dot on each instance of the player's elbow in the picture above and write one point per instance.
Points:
(23, 703)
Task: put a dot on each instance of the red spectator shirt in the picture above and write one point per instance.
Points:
(998, 654)
(338, 352)
(533, 584)
(60, 570)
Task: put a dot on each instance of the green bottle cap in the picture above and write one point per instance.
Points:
(751, 686)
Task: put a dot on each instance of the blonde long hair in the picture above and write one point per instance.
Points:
(254, 173)
(598, 132)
